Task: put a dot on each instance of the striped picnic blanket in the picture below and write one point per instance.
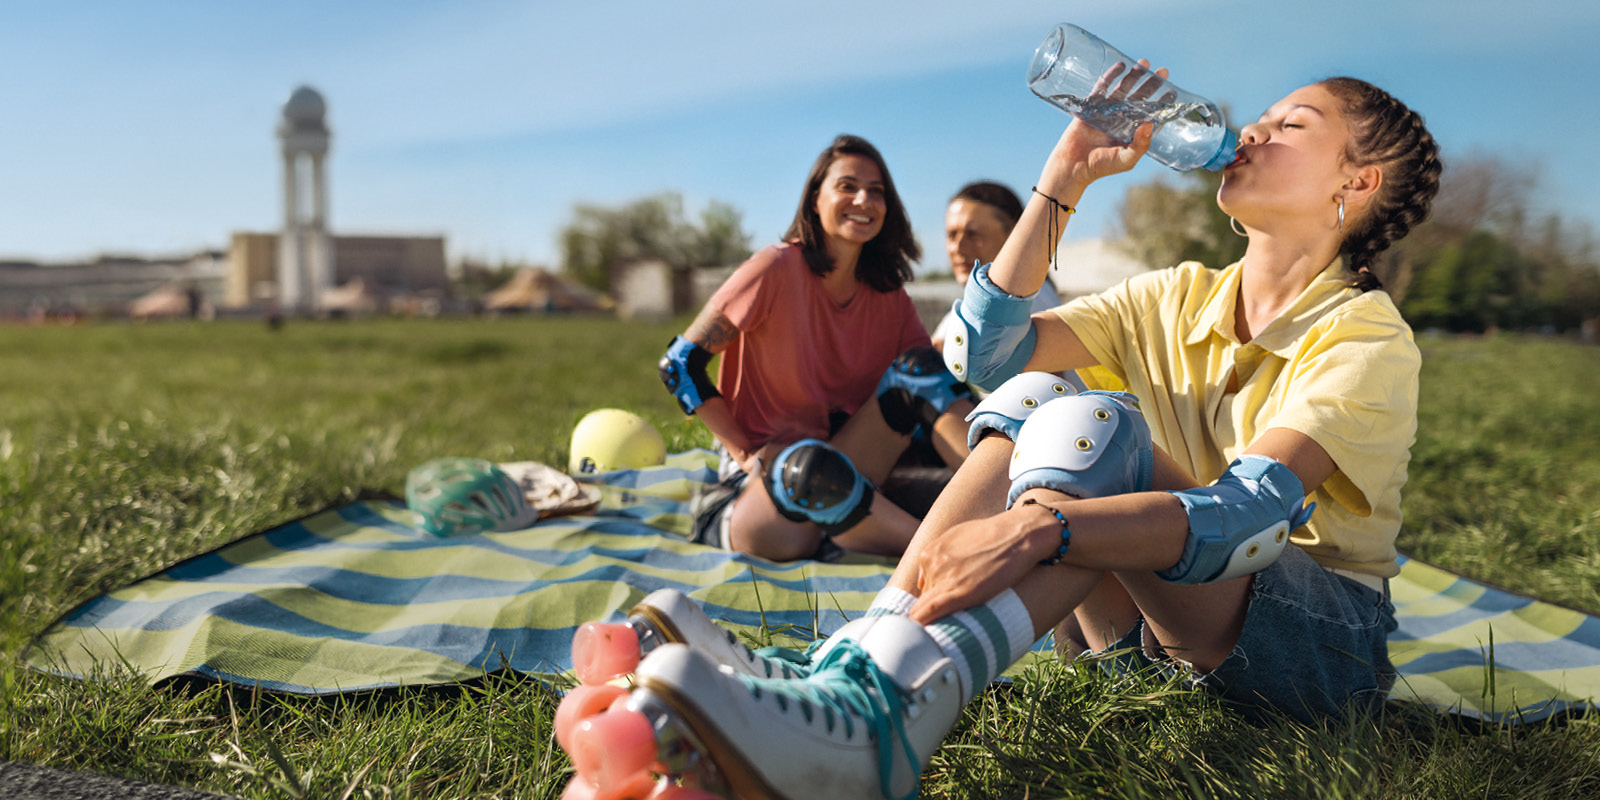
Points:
(358, 597)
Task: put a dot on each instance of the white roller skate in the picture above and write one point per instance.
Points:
(879, 699)
(604, 651)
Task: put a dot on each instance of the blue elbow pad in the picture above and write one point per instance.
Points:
(996, 337)
(683, 371)
(1241, 523)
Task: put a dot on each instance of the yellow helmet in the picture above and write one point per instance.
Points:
(608, 439)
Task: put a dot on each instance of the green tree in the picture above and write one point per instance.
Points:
(1486, 258)
(1162, 224)
(1467, 285)
(599, 238)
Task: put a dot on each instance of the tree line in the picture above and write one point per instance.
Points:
(1484, 260)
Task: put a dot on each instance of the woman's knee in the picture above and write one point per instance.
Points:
(758, 529)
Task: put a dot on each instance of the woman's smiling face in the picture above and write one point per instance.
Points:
(850, 202)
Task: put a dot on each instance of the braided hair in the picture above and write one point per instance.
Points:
(1387, 133)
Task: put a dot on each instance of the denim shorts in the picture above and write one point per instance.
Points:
(1314, 645)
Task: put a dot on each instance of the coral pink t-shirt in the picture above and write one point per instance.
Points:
(799, 355)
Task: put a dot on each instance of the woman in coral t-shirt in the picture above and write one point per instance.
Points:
(826, 374)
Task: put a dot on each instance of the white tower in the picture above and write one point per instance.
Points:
(305, 252)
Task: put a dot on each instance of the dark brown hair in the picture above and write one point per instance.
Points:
(994, 195)
(885, 262)
(1386, 133)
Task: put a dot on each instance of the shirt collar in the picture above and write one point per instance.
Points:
(1328, 289)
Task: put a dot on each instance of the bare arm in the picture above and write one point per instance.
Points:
(1082, 156)
(973, 561)
(1057, 347)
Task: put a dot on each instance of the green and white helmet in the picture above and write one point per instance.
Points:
(463, 496)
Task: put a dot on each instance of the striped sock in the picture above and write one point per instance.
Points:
(891, 601)
(983, 641)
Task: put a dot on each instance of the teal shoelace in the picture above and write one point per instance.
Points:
(843, 684)
(794, 663)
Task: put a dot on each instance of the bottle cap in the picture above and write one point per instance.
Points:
(1225, 153)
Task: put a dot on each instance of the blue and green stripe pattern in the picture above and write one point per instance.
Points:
(359, 597)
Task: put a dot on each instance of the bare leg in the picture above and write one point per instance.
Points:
(1198, 624)
(887, 531)
(758, 528)
(977, 490)
(949, 433)
(1100, 620)
(870, 443)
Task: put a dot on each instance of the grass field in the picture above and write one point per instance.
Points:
(126, 448)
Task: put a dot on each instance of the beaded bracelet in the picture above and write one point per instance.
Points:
(1066, 533)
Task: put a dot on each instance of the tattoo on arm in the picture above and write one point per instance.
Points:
(712, 331)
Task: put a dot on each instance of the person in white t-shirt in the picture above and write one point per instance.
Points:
(976, 223)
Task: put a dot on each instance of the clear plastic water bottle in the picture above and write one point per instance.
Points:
(1190, 130)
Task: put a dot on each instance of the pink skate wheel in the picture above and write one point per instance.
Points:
(603, 651)
(639, 788)
(613, 749)
(580, 704)
(578, 789)
(667, 790)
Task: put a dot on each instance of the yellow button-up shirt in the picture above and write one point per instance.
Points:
(1339, 365)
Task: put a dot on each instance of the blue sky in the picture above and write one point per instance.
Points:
(147, 127)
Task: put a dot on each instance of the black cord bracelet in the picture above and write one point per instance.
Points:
(1052, 227)
(1066, 533)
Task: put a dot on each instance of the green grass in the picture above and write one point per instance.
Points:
(126, 448)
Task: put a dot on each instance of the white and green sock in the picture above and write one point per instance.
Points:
(985, 640)
(891, 601)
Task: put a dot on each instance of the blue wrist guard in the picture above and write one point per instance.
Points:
(1241, 523)
(996, 337)
(683, 371)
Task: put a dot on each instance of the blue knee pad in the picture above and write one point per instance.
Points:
(1093, 444)
(1241, 523)
(916, 389)
(1012, 403)
(996, 336)
(810, 481)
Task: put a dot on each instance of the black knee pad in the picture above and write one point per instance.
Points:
(916, 389)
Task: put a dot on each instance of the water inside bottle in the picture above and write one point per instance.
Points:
(1120, 118)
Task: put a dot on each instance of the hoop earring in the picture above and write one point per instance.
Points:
(1341, 215)
(1234, 224)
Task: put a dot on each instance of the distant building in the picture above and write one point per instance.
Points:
(1084, 266)
(106, 285)
(299, 269)
(305, 270)
(388, 266)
